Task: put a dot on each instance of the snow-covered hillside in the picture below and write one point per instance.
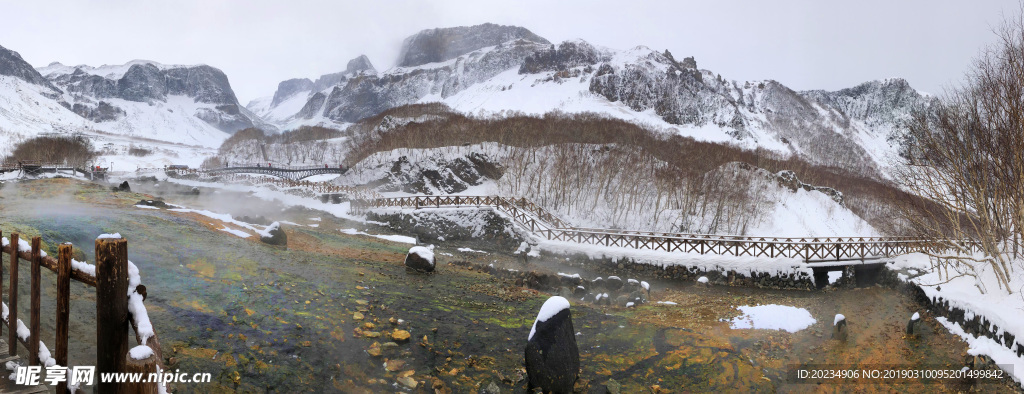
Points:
(734, 199)
(852, 128)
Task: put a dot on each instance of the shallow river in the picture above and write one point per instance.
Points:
(261, 318)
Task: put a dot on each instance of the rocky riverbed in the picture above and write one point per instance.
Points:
(339, 312)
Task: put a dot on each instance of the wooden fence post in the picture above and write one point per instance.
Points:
(143, 367)
(111, 309)
(34, 301)
(12, 298)
(63, 308)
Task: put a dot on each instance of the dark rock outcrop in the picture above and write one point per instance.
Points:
(420, 259)
(438, 45)
(11, 64)
(552, 357)
(274, 235)
(286, 89)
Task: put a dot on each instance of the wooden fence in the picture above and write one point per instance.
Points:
(315, 187)
(110, 277)
(543, 223)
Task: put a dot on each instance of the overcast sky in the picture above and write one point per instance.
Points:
(258, 43)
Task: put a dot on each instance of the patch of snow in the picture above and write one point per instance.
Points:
(839, 318)
(146, 207)
(773, 317)
(235, 232)
(140, 352)
(702, 279)
(917, 316)
(423, 252)
(109, 236)
(550, 308)
(392, 238)
(470, 250)
(834, 276)
(667, 303)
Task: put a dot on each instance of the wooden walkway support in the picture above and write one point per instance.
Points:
(113, 319)
(543, 223)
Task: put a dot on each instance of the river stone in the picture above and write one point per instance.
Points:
(839, 330)
(274, 235)
(491, 388)
(597, 284)
(407, 382)
(420, 259)
(552, 358)
(914, 324)
(152, 203)
(613, 387)
(613, 283)
(123, 187)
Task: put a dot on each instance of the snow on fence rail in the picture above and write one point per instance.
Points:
(119, 296)
(316, 187)
(543, 223)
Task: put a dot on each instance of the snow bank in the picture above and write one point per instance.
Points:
(773, 317)
(392, 238)
(550, 308)
(238, 233)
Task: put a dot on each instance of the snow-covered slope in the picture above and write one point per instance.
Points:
(191, 105)
(735, 198)
(852, 128)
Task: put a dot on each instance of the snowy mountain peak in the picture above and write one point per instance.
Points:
(11, 64)
(289, 88)
(360, 64)
(438, 45)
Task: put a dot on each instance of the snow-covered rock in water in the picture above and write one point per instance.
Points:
(702, 280)
(274, 235)
(839, 328)
(552, 357)
(914, 324)
(421, 259)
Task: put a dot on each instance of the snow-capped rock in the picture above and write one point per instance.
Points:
(438, 45)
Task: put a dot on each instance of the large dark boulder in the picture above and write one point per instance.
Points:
(123, 187)
(552, 358)
(420, 259)
(274, 235)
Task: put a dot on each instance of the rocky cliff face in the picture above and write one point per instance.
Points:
(11, 64)
(472, 69)
(438, 45)
(95, 92)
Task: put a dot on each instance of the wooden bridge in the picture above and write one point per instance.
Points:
(286, 172)
(822, 250)
(35, 169)
(119, 297)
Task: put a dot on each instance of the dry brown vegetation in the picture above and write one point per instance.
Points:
(306, 144)
(968, 159)
(68, 150)
(634, 167)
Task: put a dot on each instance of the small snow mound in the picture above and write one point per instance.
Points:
(916, 317)
(702, 279)
(839, 318)
(645, 285)
(629, 304)
(773, 317)
(110, 236)
(550, 308)
(423, 252)
(266, 233)
(140, 352)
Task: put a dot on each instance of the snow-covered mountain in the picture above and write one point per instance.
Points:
(491, 70)
(140, 100)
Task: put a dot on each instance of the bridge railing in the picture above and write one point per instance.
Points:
(542, 222)
(118, 306)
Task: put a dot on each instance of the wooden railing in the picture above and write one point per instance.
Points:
(543, 223)
(111, 277)
(315, 187)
